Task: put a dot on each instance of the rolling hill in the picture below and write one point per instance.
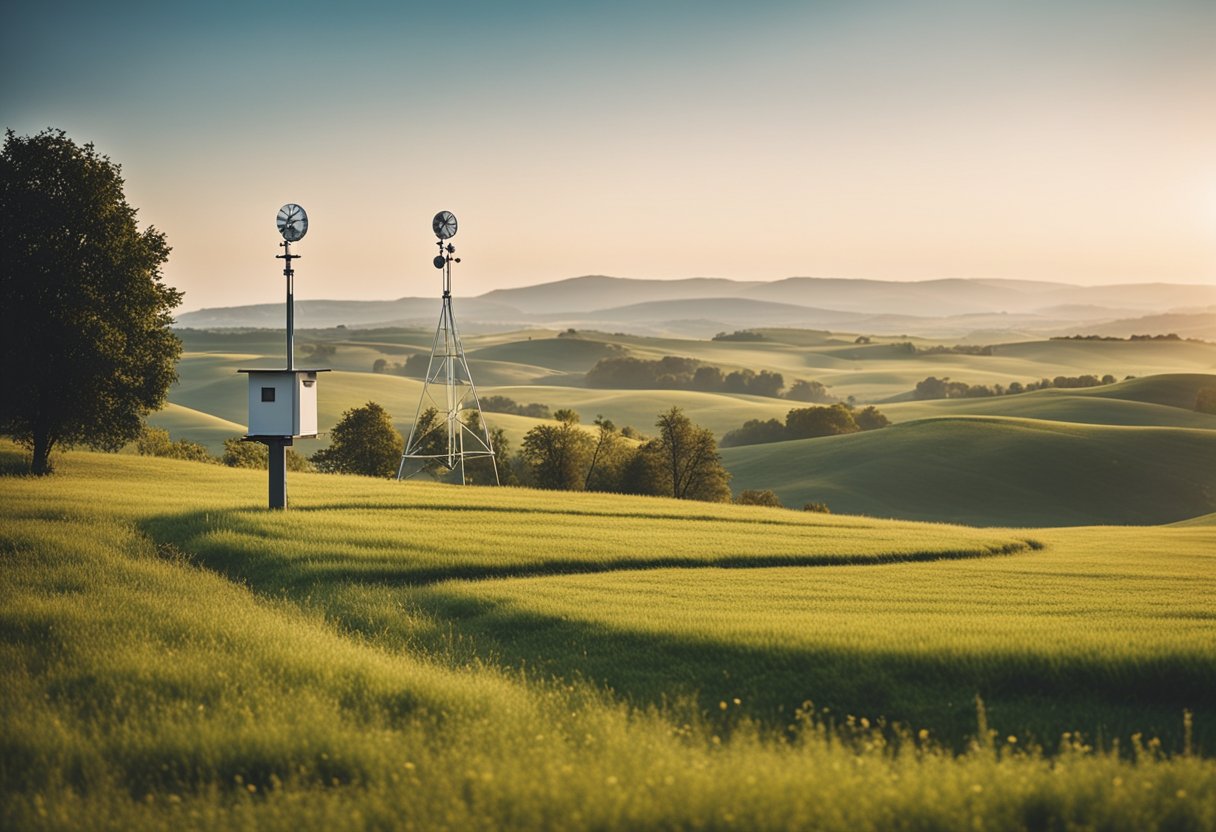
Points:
(700, 306)
(994, 471)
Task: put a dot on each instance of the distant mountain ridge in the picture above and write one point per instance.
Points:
(701, 305)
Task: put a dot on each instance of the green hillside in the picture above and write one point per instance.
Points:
(994, 471)
(1162, 401)
(390, 655)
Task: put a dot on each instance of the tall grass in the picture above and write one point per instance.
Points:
(141, 687)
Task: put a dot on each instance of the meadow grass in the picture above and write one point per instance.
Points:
(161, 669)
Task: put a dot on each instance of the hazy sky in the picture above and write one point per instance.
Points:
(898, 140)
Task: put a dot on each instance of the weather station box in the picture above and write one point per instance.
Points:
(283, 403)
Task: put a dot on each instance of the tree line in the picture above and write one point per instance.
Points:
(807, 423)
(681, 373)
(1173, 336)
(943, 388)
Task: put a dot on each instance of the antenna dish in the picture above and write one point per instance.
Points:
(439, 261)
(444, 225)
(293, 222)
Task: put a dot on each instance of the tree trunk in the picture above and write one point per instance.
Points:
(41, 463)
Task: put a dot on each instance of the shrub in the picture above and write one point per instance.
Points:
(755, 497)
(155, 442)
(818, 508)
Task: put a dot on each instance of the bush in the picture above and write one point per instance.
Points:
(364, 442)
(871, 418)
(755, 497)
(754, 432)
(155, 442)
(241, 454)
(818, 508)
(809, 422)
(810, 391)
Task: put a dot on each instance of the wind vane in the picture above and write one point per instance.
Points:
(457, 435)
(283, 403)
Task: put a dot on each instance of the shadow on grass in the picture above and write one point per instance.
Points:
(14, 463)
(1036, 697)
(187, 532)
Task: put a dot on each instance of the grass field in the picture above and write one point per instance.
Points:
(994, 471)
(537, 366)
(423, 656)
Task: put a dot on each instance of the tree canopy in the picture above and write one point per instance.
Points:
(85, 319)
(363, 442)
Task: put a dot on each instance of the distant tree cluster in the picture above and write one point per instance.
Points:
(415, 366)
(957, 349)
(504, 404)
(769, 499)
(943, 388)
(680, 373)
(1173, 336)
(739, 335)
(681, 462)
(322, 352)
(806, 423)
(811, 392)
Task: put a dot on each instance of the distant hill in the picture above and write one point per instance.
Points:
(593, 292)
(994, 472)
(1156, 401)
(693, 306)
(323, 314)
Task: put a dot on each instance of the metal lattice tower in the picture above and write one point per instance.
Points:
(448, 440)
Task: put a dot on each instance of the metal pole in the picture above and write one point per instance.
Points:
(289, 273)
(277, 451)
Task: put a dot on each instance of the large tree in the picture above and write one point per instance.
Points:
(84, 315)
(363, 442)
(558, 455)
(690, 458)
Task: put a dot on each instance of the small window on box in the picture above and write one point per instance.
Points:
(267, 394)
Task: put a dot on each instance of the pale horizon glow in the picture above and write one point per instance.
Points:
(1071, 141)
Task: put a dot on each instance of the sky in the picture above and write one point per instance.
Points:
(1072, 140)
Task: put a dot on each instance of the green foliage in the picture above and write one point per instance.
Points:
(155, 442)
(810, 422)
(85, 316)
(363, 442)
(739, 335)
(558, 456)
(505, 404)
(817, 508)
(809, 391)
(430, 439)
(871, 418)
(322, 352)
(680, 373)
(757, 497)
(566, 416)
(755, 432)
(241, 454)
(943, 388)
(609, 458)
(690, 461)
